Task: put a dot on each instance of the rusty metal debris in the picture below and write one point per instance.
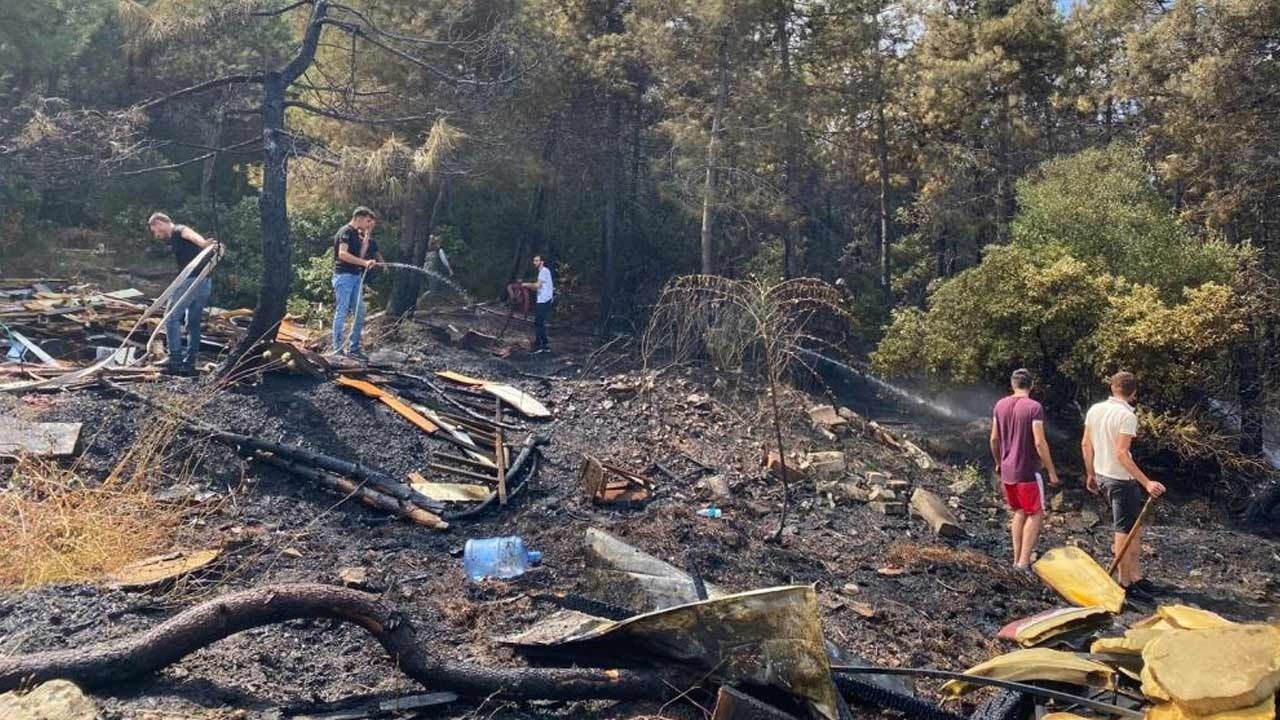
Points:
(770, 637)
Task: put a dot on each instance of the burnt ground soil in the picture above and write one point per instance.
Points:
(936, 603)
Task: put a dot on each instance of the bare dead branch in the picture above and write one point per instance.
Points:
(282, 10)
(202, 87)
(191, 161)
(306, 107)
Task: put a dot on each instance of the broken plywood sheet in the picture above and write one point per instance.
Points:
(1075, 576)
(770, 637)
(23, 437)
(449, 492)
(1213, 670)
(159, 568)
(1037, 664)
(629, 577)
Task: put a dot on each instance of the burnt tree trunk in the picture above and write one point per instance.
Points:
(531, 238)
(273, 208)
(405, 286)
(613, 161)
(109, 664)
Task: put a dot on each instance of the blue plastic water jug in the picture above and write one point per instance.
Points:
(502, 558)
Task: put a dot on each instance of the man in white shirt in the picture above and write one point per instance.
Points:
(542, 305)
(1109, 429)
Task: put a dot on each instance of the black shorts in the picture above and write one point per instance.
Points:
(1126, 498)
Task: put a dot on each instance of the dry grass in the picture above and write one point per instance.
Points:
(914, 556)
(57, 529)
(61, 527)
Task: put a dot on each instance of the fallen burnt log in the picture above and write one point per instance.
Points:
(366, 495)
(374, 488)
(108, 664)
(345, 468)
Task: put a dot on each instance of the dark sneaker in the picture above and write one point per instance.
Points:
(1138, 592)
(1145, 587)
(169, 368)
(358, 355)
(542, 350)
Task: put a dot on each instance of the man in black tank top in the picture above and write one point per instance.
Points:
(186, 244)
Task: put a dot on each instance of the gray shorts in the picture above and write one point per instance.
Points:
(1126, 499)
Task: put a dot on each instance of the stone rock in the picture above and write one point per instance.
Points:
(879, 493)
(829, 465)
(855, 492)
(717, 484)
(898, 485)
(54, 700)
(875, 477)
(1089, 518)
(356, 577)
(850, 589)
(848, 414)
(888, 508)
(826, 417)
(965, 486)
(773, 463)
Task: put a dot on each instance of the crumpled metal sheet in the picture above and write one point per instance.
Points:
(767, 637)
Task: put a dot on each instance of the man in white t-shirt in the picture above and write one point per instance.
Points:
(1109, 429)
(546, 290)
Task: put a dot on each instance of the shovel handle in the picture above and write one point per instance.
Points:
(1133, 532)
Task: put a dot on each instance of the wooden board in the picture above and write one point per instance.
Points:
(523, 403)
(391, 401)
(18, 437)
(459, 378)
(157, 569)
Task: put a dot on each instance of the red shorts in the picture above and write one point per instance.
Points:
(1025, 496)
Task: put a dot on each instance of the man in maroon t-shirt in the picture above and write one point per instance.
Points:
(1018, 447)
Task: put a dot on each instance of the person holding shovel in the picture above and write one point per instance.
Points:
(1109, 429)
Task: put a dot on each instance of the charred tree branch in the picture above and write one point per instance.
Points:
(120, 661)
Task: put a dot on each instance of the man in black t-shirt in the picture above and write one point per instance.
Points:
(186, 244)
(354, 254)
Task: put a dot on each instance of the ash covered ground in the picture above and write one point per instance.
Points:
(941, 611)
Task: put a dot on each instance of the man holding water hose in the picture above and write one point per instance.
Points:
(354, 254)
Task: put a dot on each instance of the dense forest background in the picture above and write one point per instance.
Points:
(993, 183)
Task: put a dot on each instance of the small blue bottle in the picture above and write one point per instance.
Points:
(500, 558)
(710, 512)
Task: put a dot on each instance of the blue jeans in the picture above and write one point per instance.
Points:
(191, 313)
(348, 298)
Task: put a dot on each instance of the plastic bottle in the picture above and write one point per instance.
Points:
(502, 558)
(710, 512)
